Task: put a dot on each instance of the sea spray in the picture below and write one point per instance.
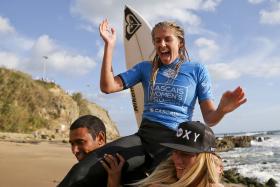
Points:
(261, 160)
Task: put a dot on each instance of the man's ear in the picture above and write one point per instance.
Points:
(101, 138)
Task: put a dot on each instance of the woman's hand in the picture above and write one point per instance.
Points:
(231, 100)
(107, 33)
(113, 166)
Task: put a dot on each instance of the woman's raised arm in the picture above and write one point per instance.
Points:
(108, 82)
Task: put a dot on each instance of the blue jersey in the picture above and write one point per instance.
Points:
(172, 99)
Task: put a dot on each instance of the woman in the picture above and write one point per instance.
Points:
(171, 86)
(193, 161)
(168, 174)
(169, 66)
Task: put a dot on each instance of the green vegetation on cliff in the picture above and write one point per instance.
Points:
(82, 103)
(20, 100)
(27, 105)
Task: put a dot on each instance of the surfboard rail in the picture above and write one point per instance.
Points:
(138, 47)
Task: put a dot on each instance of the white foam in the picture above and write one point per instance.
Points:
(247, 152)
(261, 171)
(274, 142)
(261, 160)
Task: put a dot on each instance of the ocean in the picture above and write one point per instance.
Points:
(261, 160)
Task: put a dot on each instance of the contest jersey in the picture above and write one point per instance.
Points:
(172, 98)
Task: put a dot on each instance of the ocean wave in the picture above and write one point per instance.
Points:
(260, 160)
(256, 133)
(261, 171)
(273, 141)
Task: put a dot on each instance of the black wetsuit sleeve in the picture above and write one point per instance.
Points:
(124, 85)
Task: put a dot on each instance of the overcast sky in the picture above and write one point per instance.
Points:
(238, 41)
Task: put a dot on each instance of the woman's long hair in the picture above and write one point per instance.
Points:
(202, 174)
(183, 53)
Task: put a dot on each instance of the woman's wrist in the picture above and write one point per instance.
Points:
(220, 112)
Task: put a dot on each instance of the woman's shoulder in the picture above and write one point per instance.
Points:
(194, 66)
(194, 63)
(144, 63)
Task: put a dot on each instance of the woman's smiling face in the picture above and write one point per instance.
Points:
(167, 44)
(182, 161)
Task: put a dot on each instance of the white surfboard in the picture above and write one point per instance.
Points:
(138, 47)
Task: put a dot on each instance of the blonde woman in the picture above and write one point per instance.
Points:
(172, 84)
(202, 172)
(192, 163)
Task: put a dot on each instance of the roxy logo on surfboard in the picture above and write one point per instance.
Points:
(132, 24)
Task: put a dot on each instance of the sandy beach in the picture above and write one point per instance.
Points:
(25, 164)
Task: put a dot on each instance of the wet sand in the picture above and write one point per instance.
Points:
(25, 164)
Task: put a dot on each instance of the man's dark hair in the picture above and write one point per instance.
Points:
(92, 123)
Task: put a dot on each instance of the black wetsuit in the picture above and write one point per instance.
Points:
(141, 151)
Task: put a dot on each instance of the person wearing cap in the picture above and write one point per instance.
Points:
(193, 161)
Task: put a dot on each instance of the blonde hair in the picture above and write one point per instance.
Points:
(202, 174)
(183, 53)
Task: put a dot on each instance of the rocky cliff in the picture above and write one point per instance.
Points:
(28, 105)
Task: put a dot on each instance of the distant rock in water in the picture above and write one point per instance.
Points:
(260, 138)
(28, 105)
(229, 142)
(271, 182)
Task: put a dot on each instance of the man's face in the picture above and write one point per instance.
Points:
(82, 142)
